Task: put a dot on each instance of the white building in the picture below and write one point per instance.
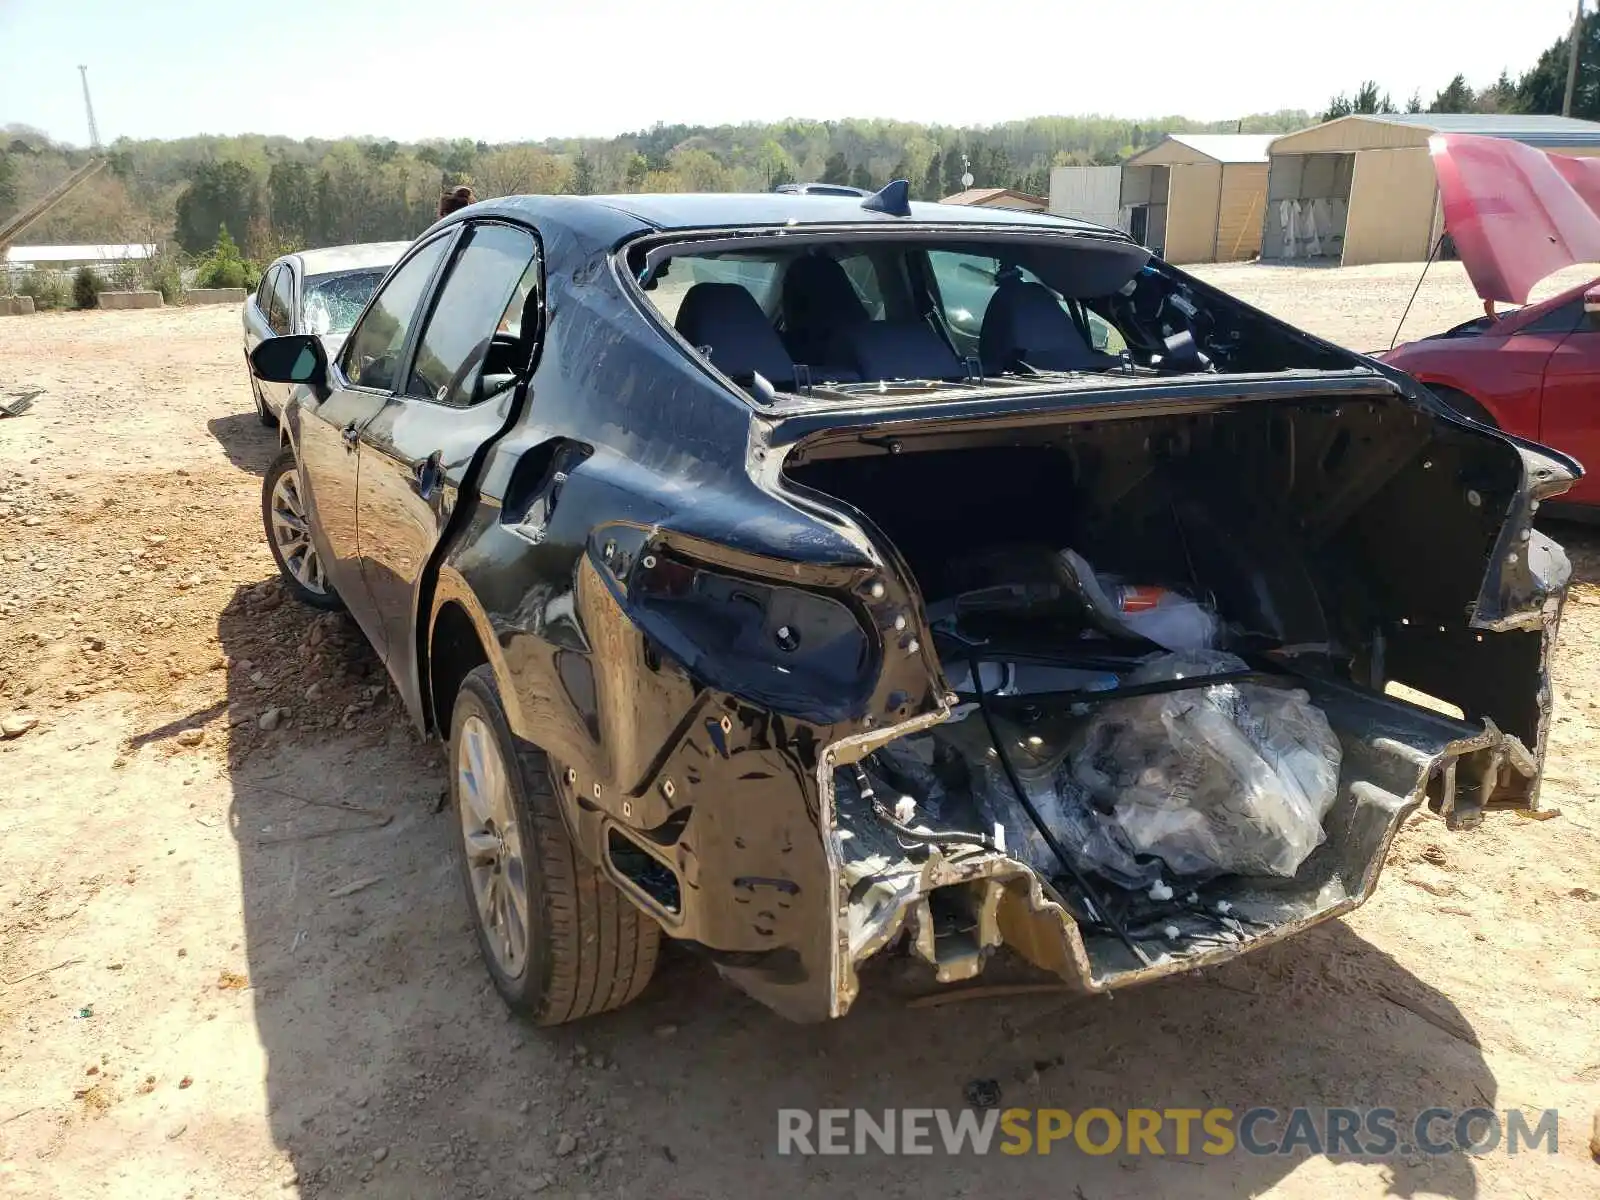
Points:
(70, 258)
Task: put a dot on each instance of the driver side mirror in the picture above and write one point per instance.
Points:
(294, 358)
(1591, 308)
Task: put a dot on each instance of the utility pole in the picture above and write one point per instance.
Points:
(1572, 61)
(94, 130)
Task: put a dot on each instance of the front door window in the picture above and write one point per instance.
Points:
(371, 357)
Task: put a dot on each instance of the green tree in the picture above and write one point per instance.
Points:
(225, 266)
(1456, 97)
(836, 169)
(459, 157)
(861, 177)
(583, 175)
(638, 168)
(85, 288)
(1543, 87)
(991, 165)
(932, 180)
(1414, 105)
(953, 168)
(1035, 182)
(1368, 98)
(774, 163)
(1500, 96)
(292, 199)
(219, 193)
(699, 170)
(8, 183)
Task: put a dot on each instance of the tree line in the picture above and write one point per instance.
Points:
(275, 194)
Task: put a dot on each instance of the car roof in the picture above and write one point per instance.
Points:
(673, 211)
(329, 260)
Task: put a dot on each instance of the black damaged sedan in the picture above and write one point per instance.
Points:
(810, 578)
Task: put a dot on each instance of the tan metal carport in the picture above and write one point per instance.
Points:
(1361, 189)
(1198, 197)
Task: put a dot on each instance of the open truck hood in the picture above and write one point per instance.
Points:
(1516, 214)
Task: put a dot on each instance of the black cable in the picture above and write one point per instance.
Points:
(928, 837)
(1044, 831)
(1162, 687)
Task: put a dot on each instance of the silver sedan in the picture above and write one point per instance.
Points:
(319, 292)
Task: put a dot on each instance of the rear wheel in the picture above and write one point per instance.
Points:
(559, 940)
(263, 413)
(288, 521)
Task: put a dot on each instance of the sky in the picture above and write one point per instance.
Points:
(513, 70)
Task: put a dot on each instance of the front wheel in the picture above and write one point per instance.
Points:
(559, 940)
(288, 521)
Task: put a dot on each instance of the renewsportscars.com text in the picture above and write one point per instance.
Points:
(1364, 1132)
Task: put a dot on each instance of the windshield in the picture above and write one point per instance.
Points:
(333, 302)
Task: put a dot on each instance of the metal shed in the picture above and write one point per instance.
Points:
(1361, 189)
(1090, 194)
(1198, 197)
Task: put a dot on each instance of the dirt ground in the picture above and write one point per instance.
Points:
(235, 958)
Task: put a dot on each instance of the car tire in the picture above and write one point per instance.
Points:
(584, 948)
(283, 508)
(263, 413)
(1464, 404)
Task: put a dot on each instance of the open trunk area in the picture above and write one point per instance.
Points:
(1166, 642)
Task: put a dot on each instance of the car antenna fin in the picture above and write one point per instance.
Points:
(894, 199)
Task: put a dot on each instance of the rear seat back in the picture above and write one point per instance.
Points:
(725, 321)
(895, 350)
(818, 302)
(1024, 323)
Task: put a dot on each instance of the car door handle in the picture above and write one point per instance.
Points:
(351, 435)
(427, 472)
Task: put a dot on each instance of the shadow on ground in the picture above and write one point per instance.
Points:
(249, 444)
(393, 1069)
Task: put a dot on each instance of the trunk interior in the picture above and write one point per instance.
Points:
(1315, 551)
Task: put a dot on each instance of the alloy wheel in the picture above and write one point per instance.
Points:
(493, 843)
(291, 532)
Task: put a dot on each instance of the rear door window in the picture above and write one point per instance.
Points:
(280, 307)
(371, 357)
(264, 291)
(492, 275)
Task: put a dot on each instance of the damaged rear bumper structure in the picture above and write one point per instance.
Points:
(955, 907)
(1350, 536)
(952, 905)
